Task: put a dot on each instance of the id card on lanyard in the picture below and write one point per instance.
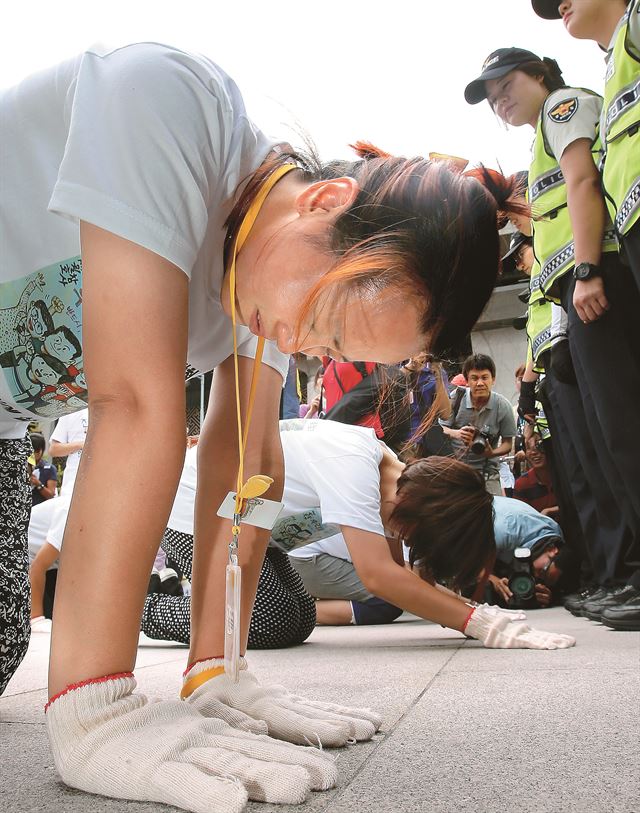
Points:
(249, 491)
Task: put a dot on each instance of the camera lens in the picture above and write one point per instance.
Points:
(522, 586)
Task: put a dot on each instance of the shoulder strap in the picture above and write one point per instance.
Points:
(361, 367)
(337, 378)
(458, 401)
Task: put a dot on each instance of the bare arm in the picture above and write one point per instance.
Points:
(397, 585)
(587, 215)
(217, 470)
(48, 490)
(504, 448)
(135, 338)
(45, 557)
(57, 449)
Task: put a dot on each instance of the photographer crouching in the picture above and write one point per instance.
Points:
(481, 425)
(532, 563)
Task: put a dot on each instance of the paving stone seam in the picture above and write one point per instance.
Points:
(378, 743)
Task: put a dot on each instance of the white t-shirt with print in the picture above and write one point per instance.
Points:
(71, 429)
(329, 466)
(145, 141)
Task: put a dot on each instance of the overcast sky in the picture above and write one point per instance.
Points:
(390, 72)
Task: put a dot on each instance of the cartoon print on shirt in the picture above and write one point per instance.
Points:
(40, 340)
(28, 317)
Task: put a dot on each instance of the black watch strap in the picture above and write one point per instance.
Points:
(585, 271)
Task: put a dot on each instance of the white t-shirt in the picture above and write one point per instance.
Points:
(336, 467)
(332, 476)
(145, 141)
(47, 523)
(71, 429)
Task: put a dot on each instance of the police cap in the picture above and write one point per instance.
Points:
(497, 64)
(547, 9)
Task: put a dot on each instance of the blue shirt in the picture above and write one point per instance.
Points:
(44, 472)
(518, 525)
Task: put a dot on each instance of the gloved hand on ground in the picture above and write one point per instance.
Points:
(502, 632)
(288, 717)
(514, 615)
(107, 740)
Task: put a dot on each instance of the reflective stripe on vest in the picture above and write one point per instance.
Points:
(539, 328)
(542, 424)
(545, 183)
(627, 214)
(620, 127)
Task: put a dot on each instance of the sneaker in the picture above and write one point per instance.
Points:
(624, 616)
(41, 624)
(169, 582)
(593, 608)
(574, 603)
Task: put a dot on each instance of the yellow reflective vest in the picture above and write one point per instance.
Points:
(538, 320)
(619, 129)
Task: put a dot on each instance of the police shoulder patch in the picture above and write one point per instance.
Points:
(563, 111)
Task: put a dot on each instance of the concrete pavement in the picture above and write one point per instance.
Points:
(466, 729)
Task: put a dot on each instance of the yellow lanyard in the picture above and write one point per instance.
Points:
(256, 485)
(259, 483)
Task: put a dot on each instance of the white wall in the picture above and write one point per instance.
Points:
(508, 348)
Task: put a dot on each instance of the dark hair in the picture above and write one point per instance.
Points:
(41, 305)
(70, 337)
(548, 69)
(444, 515)
(414, 224)
(38, 442)
(478, 361)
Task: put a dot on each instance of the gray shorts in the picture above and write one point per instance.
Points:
(326, 576)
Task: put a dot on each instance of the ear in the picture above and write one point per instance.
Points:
(334, 196)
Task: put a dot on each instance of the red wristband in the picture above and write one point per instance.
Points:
(82, 683)
(464, 626)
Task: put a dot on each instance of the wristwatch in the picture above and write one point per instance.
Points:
(585, 271)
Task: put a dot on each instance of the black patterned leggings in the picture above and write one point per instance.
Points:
(284, 613)
(15, 594)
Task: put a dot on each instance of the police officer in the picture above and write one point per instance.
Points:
(615, 26)
(580, 270)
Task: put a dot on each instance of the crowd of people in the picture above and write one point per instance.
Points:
(398, 489)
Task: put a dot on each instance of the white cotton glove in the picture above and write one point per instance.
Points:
(107, 740)
(287, 716)
(502, 632)
(514, 615)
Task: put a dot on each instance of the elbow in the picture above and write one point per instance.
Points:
(374, 581)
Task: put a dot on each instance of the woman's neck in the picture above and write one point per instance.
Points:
(390, 470)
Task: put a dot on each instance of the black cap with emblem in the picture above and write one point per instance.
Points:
(547, 9)
(518, 239)
(497, 64)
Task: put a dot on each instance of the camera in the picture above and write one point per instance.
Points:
(521, 581)
(480, 439)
